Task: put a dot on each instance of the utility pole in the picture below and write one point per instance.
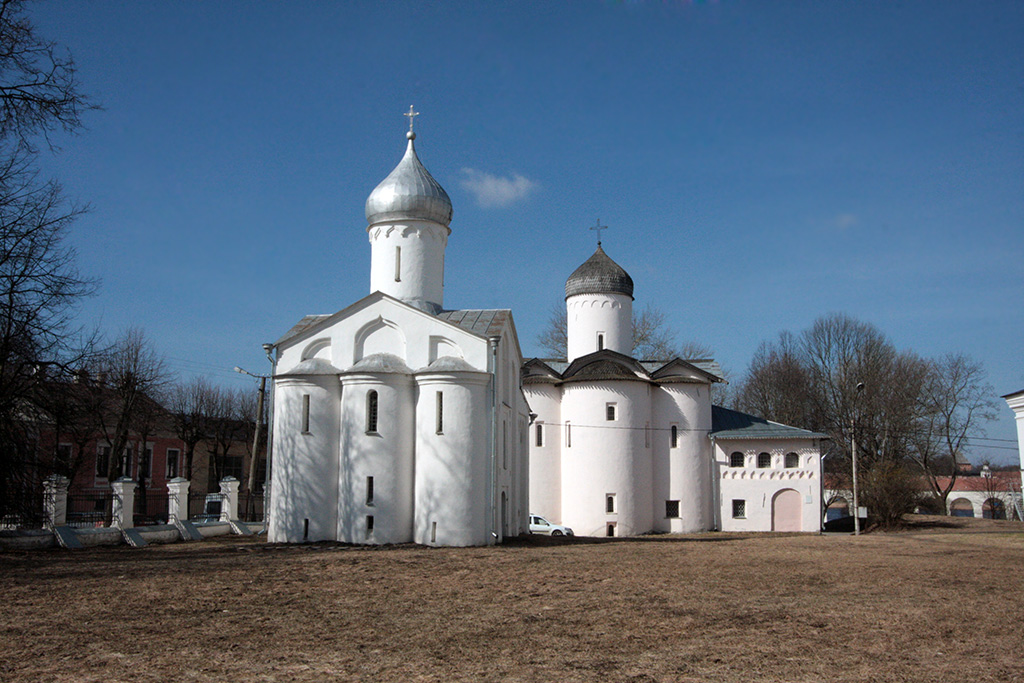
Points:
(853, 454)
(254, 459)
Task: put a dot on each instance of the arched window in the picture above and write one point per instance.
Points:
(371, 412)
(764, 460)
(736, 460)
(792, 460)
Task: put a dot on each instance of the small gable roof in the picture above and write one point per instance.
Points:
(732, 424)
(605, 364)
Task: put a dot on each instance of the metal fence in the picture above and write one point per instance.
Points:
(250, 507)
(86, 510)
(150, 508)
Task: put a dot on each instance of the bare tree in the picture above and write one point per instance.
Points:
(954, 404)
(39, 89)
(191, 403)
(128, 375)
(652, 339)
(39, 283)
(910, 409)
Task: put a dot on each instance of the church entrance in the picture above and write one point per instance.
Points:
(786, 509)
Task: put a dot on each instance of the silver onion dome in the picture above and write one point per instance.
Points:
(409, 192)
(599, 275)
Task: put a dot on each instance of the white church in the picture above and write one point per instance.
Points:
(397, 420)
(624, 446)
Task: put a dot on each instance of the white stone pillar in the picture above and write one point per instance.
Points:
(55, 498)
(229, 499)
(177, 499)
(124, 503)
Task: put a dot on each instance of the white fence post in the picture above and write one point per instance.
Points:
(55, 498)
(229, 499)
(124, 503)
(177, 500)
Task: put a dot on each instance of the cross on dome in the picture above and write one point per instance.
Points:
(599, 228)
(411, 114)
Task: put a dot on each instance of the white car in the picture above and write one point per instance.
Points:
(539, 525)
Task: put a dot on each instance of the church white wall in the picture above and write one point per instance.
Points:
(303, 508)
(759, 487)
(376, 325)
(386, 455)
(607, 457)
(683, 473)
(588, 315)
(545, 459)
(416, 275)
(451, 477)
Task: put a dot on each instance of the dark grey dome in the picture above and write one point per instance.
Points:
(599, 275)
(409, 192)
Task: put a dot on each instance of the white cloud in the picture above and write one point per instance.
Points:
(844, 221)
(494, 191)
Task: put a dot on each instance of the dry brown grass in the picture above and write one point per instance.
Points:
(939, 604)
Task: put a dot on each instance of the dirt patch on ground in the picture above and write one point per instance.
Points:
(936, 605)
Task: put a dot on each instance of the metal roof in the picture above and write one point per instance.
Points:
(409, 192)
(731, 424)
(486, 322)
(599, 275)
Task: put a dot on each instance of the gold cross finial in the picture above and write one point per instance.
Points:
(411, 113)
(599, 228)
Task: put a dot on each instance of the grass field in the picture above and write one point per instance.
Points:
(931, 604)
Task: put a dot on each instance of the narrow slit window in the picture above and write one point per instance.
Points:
(504, 444)
(609, 412)
(647, 435)
(305, 529)
(433, 532)
(600, 341)
(440, 412)
(398, 264)
(539, 434)
(369, 525)
(369, 490)
(674, 436)
(371, 412)
(568, 434)
(305, 413)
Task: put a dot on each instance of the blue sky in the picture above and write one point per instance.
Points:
(759, 164)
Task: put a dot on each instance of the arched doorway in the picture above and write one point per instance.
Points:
(836, 509)
(961, 507)
(786, 511)
(993, 508)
